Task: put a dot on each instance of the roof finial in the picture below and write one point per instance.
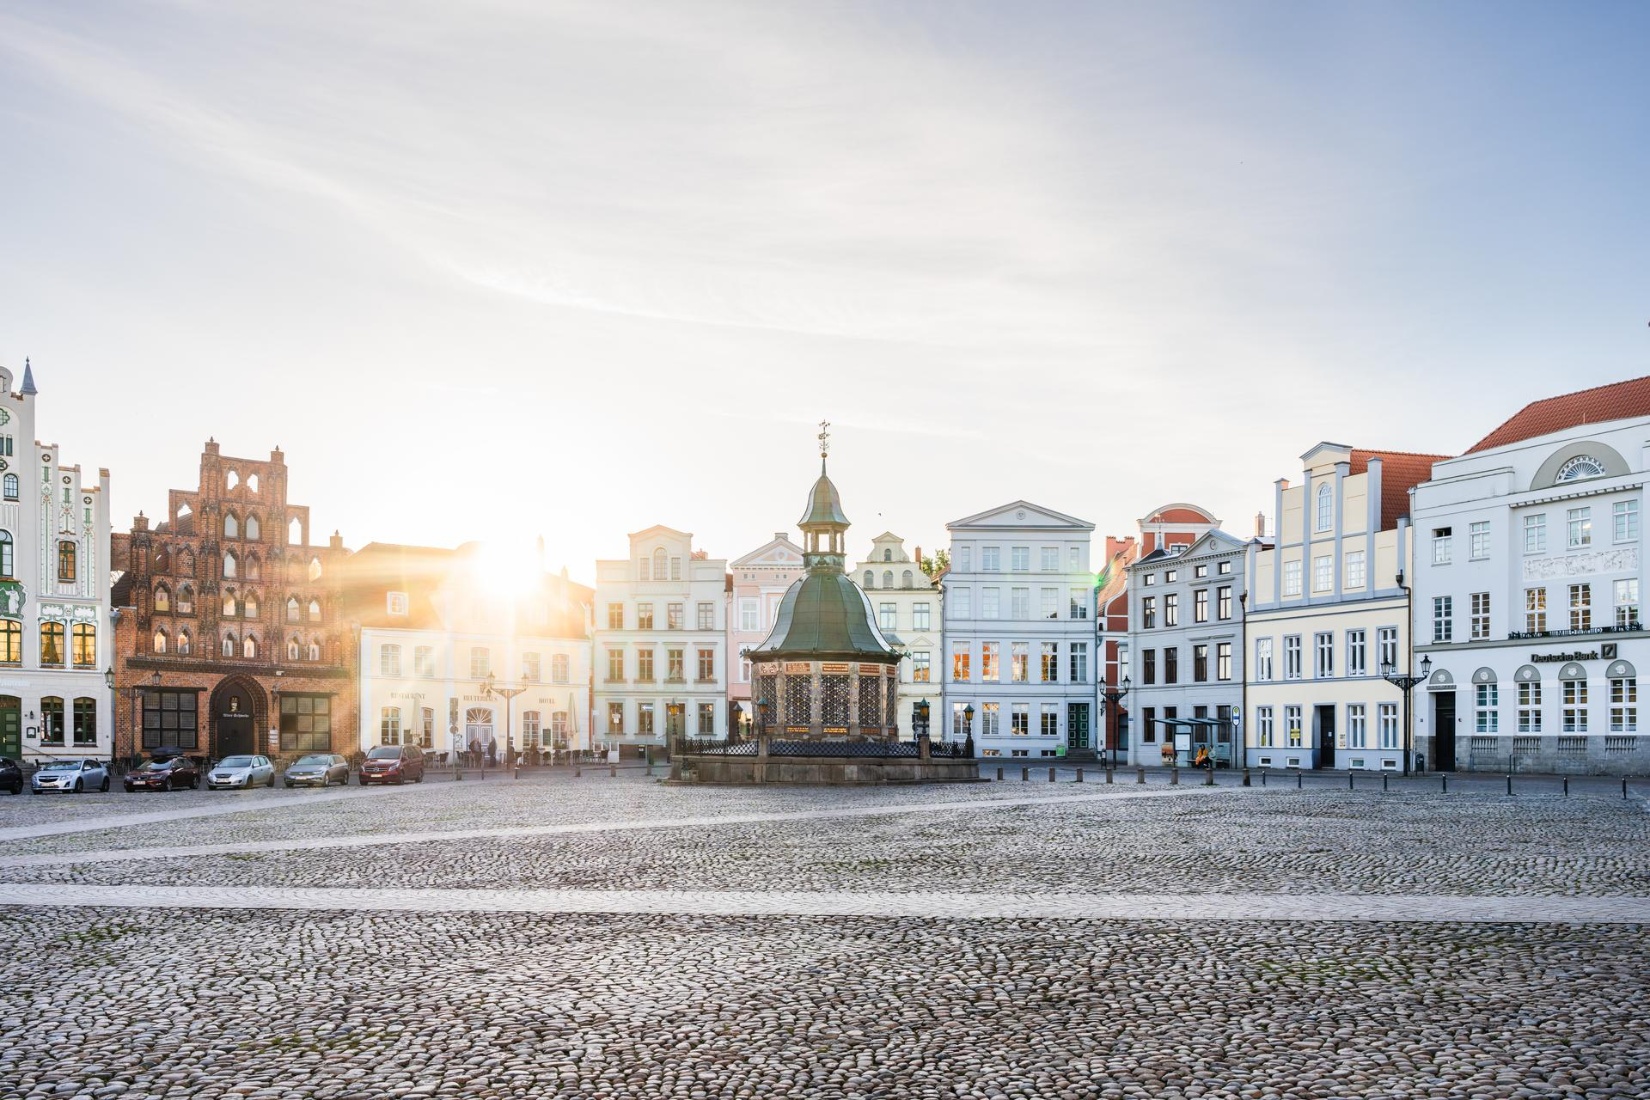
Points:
(28, 389)
(824, 443)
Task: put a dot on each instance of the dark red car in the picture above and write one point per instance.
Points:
(393, 764)
(164, 775)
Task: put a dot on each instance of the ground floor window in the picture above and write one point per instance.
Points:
(1624, 710)
(389, 726)
(707, 719)
(1019, 718)
(426, 727)
(51, 721)
(85, 721)
(170, 719)
(990, 719)
(558, 729)
(1529, 706)
(1387, 716)
(306, 723)
(1486, 718)
(1575, 706)
(615, 718)
(1292, 725)
(1051, 719)
(531, 725)
(1357, 726)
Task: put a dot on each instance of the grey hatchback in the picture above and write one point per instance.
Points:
(317, 769)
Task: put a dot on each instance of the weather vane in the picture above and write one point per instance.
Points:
(824, 438)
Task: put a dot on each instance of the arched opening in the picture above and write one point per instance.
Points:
(183, 643)
(229, 564)
(237, 713)
(314, 611)
(292, 610)
(659, 572)
(231, 480)
(295, 532)
(186, 600)
(163, 598)
(252, 483)
(252, 528)
(160, 641)
(231, 526)
(314, 569)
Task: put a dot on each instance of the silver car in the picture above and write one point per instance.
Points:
(70, 775)
(318, 769)
(239, 772)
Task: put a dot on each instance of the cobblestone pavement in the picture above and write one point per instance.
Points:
(618, 939)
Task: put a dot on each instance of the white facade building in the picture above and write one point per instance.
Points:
(661, 643)
(1019, 635)
(907, 607)
(1529, 576)
(56, 626)
(1327, 609)
(1185, 649)
(437, 630)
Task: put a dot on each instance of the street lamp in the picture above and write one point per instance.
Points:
(968, 729)
(490, 686)
(762, 709)
(1406, 683)
(1113, 695)
(919, 718)
(114, 704)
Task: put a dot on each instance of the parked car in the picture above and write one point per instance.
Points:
(70, 775)
(164, 775)
(11, 775)
(393, 764)
(318, 769)
(241, 772)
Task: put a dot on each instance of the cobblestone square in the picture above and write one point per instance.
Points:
(615, 937)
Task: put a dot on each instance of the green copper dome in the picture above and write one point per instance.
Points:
(824, 504)
(825, 616)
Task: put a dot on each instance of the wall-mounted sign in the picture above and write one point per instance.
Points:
(1605, 652)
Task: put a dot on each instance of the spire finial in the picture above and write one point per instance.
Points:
(28, 389)
(824, 442)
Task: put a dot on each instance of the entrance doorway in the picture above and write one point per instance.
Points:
(1443, 732)
(1323, 722)
(236, 706)
(1077, 726)
(11, 727)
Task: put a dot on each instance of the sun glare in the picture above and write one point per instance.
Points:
(508, 567)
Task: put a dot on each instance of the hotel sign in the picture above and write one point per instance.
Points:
(1605, 652)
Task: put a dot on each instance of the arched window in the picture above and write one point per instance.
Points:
(183, 643)
(83, 645)
(870, 579)
(659, 573)
(228, 608)
(558, 668)
(163, 598)
(314, 649)
(6, 562)
(163, 560)
(186, 600)
(293, 612)
(11, 486)
(160, 641)
(231, 480)
(252, 528)
(1326, 507)
(231, 526)
(250, 567)
(1579, 467)
(905, 579)
(887, 554)
(249, 647)
(294, 648)
(887, 578)
(51, 644)
(66, 562)
(314, 569)
(229, 563)
(295, 532)
(186, 563)
(252, 483)
(249, 606)
(314, 611)
(228, 647)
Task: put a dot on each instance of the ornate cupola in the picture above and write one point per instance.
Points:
(825, 670)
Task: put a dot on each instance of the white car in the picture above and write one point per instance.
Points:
(70, 775)
(241, 771)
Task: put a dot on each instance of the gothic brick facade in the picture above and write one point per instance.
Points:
(230, 635)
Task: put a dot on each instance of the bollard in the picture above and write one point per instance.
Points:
(1509, 782)
(999, 775)
(1209, 777)
(1566, 786)
(1079, 775)
(1383, 780)
(1140, 775)
(1246, 777)
(1174, 777)
(1445, 778)
(1025, 775)
(1300, 779)
(1051, 775)
(578, 770)
(1351, 780)
(1108, 775)
(613, 771)
(1624, 786)
(1263, 777)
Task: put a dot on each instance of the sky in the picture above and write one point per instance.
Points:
(508, 268)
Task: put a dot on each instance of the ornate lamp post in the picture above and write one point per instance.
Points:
(968, 729)
(1406, 683)
(1113, 695)
(919, 718)
(114, 703)
(763, 707)
(490, 686)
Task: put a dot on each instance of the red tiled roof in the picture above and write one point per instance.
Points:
(1400, 472)
(1617, 401)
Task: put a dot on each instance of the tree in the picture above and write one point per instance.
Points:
(935, 565)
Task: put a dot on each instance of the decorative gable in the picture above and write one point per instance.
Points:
(1019, 514)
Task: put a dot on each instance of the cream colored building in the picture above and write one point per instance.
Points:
(907, 606)
(1327, 608)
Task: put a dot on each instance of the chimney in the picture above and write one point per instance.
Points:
(781, 535)
(1260, 525)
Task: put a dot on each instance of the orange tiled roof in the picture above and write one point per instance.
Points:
(1400, 472)
(1617, 401)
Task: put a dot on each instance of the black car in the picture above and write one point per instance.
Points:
(166, 774)
(11, 775)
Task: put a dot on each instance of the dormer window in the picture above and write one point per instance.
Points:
(1579, 467)
(396, 603)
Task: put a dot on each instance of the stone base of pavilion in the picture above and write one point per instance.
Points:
(820, 763)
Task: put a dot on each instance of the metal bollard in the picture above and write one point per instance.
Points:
(1263, 777)
(1246, 777)
(1351, 780)
(1445, 778)
(1140, 775)
(1509, 782)
(1174, 777)
(1383, 780)
(1079, 775)
(1025, 775)
(1566, 786)
(1624, 786)
(613, 771)
(578, 770)
(1108, 775)
(999, 775)
(1300, 779)
(1209, 777)
(1051, 775)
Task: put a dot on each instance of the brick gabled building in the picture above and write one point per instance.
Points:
(230, 635)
